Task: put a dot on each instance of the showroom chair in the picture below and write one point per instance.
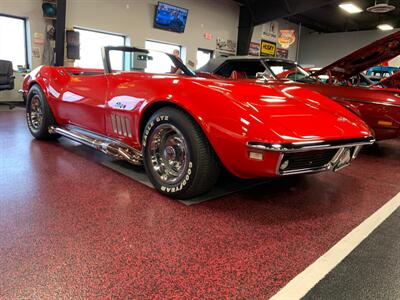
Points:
(6, 75)
(6, 79)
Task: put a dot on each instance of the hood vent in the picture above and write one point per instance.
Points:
(381, 7)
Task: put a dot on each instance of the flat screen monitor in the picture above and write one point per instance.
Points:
(170, 17)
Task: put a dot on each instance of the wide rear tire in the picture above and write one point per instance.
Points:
(38, 114)
(177, 156)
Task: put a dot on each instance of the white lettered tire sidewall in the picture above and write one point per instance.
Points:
(202, 165)
(172, 190)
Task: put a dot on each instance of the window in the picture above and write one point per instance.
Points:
(161, 63)
(13, 41)
(91, 42)
(203, 56)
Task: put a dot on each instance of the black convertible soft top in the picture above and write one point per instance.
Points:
(213, 64)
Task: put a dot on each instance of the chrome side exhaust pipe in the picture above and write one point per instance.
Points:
(109, 146)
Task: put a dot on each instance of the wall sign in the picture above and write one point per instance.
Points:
(38, 38)
(36, 52)
(286, 37)
(268, 48)
(226, 45)
(270, 31)
(207, 35)
(254, 49)
(282, 53)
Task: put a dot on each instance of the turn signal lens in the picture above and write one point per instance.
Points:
(256, 155)
(385, 123)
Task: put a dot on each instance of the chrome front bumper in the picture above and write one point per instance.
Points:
(313, 156)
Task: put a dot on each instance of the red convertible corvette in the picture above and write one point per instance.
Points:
(148, 108)
(342, 81)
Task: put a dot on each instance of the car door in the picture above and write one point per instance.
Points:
(81, 99)
(127, 93)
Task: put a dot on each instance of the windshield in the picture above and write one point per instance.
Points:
(360, 80)
(137, 60)
(285, 69)
(289, 70)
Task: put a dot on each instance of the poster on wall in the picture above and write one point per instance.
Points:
(254, 49)
(286, 37)
(226, 45)
(36, 52)
(268, 48)
(282, 53)
(38, 38)
(270, 31)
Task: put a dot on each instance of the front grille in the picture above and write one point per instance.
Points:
(307, 160)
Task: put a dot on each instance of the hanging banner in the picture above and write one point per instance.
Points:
(268, 48)
(286, 37)
(270, 31)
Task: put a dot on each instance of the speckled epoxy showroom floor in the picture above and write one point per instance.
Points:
(72, 228)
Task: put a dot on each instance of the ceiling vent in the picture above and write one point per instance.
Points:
(381, 7)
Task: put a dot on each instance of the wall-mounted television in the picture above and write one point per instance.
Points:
(170, 17)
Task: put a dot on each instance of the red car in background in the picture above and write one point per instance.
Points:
(391, 82)
(183, 128)
(378, 105)
(342, 81)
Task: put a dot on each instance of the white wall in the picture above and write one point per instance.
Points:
(134, 18)
(322, 49)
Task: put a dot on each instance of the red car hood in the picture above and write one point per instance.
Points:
(291, 113)
(364, 58)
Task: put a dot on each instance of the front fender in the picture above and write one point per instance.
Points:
(224, 121)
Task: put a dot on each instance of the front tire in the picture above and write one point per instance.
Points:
(177, 156)
(38, 114)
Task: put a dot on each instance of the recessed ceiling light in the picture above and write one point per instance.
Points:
(350, 7)
(385, 27)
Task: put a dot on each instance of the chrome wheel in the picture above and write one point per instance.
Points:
(36, 113)
(169, 153)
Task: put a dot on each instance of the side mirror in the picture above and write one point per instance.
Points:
(260, 75)
(263, 76)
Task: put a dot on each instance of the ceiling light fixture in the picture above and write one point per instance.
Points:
(350, 8)
(381, 7)
(385, 27)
